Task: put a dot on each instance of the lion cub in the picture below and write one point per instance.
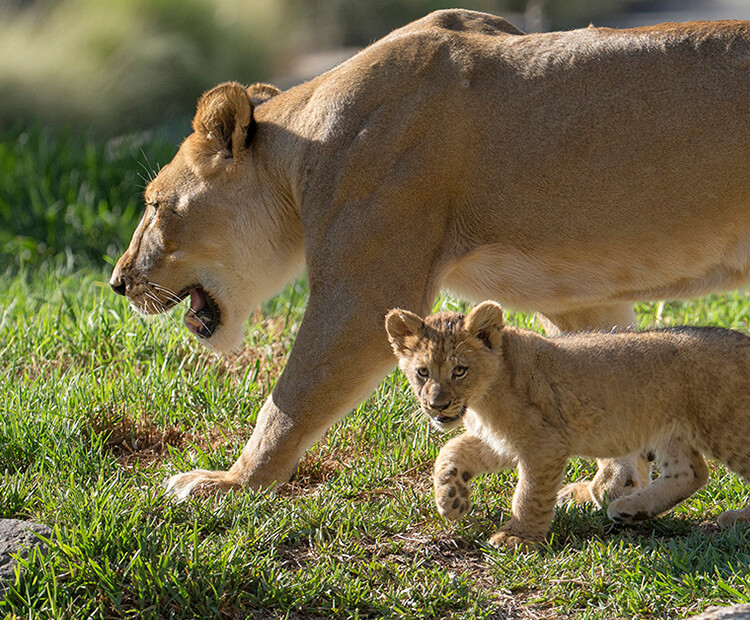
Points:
(535, 402)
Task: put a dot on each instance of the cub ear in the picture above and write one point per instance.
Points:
(224, 123)
(402, 326)
(260, 92)
(486, 323)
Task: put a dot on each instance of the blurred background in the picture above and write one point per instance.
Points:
(120, 65)
(95, 95)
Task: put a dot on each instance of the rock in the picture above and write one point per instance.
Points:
(734, 612)
(17, 537)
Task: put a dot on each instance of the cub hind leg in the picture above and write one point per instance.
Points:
(608, 481)
(739, 462)
(461, 459)
(683, 472)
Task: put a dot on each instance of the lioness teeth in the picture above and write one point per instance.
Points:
(193, 320)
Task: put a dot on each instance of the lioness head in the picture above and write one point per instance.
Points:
(215, 229)
(450, 359)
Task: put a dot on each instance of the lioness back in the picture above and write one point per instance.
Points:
(548, 138)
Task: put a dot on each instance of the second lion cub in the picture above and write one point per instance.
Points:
(535, 402)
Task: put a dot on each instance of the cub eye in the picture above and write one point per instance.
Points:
(423, 372)
(459, 371)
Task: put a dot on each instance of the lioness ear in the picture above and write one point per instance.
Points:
(486, 323)
(224, 122)
(402, 326)
(260, 93)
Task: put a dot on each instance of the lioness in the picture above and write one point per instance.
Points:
(535, 402)
(564, 173)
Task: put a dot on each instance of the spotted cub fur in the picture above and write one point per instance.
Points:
(534, 402)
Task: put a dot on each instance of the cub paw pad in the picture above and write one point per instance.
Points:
(507, 540)
(619, 512)
(452, 495)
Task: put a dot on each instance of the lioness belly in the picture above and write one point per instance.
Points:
(561, 279)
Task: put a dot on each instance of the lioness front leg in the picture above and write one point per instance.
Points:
(615, 477)
(340, 355)
(683, 472)
(533, 503)
(461, 459)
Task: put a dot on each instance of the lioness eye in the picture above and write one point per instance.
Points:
(423, 372)
(459, 371)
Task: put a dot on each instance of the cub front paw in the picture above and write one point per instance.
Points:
(628, 509)
(507, 540)
(452, 494)
(181, 486)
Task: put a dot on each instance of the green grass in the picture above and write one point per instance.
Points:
(99, 407)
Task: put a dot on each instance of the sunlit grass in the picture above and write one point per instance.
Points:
(99, 406)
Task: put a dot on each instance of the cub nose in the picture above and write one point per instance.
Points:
(438, 406)
(118, 285)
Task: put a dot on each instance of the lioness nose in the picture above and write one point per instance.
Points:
(118, 286)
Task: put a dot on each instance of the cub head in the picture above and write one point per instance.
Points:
(450, 359)
(216, 228)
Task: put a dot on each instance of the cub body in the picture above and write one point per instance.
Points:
(535, 402)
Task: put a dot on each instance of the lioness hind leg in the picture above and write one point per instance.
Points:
(729, 517)
(461, 459)
(683, 472)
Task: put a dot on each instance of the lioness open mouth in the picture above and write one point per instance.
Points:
(203, 316)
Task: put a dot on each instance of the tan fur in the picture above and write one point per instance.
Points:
(535, 402)
(565, 173)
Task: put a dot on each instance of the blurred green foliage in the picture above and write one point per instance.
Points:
(358, 22)
(124, 64)
(121, 65)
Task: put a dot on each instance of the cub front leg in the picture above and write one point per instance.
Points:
(533, 503)
(461, 459)
(683, 472)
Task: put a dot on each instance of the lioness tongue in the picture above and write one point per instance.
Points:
(197, 300)
(197, 303)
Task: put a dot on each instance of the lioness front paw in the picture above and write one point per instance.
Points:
(452, 494)
(181, 486)
(507, 540)
(628, 509)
